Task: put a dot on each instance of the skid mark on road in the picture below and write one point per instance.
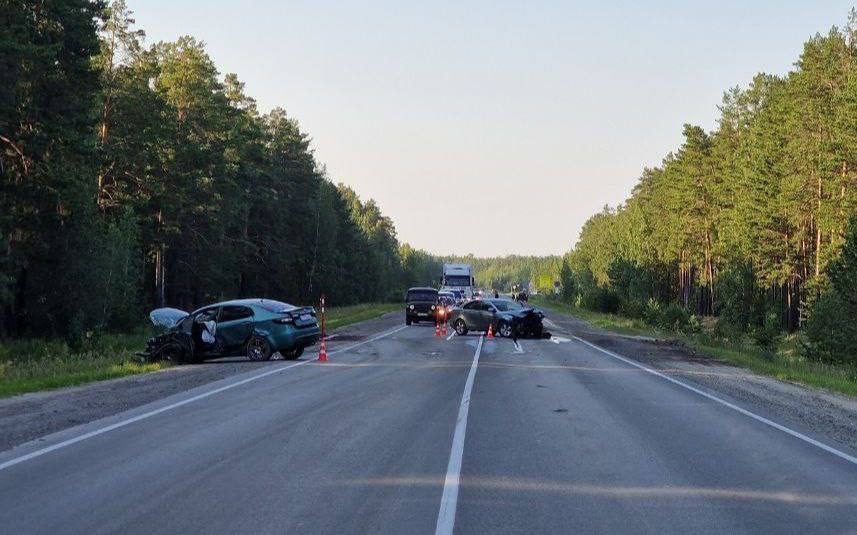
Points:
(139, 417)
(449, 500)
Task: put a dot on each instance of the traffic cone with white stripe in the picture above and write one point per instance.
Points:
(490, 331)
(322, 351)
(443, 329)
(436, 327)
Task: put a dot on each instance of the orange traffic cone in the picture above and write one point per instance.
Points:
(443, 329)
(322, 352)
(436, 328)
(490, 331)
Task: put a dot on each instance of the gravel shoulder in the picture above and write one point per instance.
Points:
(30, 416)
(814, 411)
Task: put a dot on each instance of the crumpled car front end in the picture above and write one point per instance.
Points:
(527, 323)
(169, 344)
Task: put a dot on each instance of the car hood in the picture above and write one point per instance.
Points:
(167, 317)
(523, 312)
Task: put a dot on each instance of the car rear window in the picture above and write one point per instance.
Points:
(421, 295)
(276, 306)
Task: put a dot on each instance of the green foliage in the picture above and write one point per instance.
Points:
(600, 300)
(566, 279)
(740, 304)
(765, 335)
(501, 273)
(133, 177)
(742, 222)
(831, 330)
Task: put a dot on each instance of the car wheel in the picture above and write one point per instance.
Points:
(293, 354)
(460, 327)
(504, 329)
(172, 353)
(258, 349)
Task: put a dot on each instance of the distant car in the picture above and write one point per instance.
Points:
(508, 318)
(445, 304)
(447, 294)
(256, 328)
(420, 305)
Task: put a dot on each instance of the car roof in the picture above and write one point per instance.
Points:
(422, 289)
(257, 301)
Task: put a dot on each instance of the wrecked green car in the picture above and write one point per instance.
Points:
(255, 328)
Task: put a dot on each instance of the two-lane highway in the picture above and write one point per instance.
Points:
(558, 437)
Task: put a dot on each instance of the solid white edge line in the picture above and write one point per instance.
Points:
(129, 421)
(449, 500)
(448, 338)
(841, 454)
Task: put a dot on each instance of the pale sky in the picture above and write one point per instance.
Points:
(490, 127)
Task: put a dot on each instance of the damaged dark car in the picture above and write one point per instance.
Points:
(508, 318)
(255, 328)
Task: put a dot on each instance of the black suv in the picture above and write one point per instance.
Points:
(420, 304)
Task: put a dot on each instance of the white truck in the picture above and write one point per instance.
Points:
(459, 279)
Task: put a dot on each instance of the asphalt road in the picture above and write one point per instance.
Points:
(411, 433)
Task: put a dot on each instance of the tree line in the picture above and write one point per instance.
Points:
(743, 222)
(502, 272)
(137, 176)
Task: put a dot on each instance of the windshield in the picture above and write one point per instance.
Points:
(457, 280)
(422, 295)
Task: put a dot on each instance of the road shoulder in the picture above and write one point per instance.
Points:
(30, 416)
(816, 411)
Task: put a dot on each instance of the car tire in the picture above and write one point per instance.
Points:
(258, 349)
(293, 354)
(460, 327)
(504, 329)
(173, 353)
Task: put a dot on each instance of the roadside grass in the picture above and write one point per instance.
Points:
(38, 364)
(611, 322)
(341, 316)
(785, 363)
(35, 364)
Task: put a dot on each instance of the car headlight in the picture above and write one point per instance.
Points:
(412, 307)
